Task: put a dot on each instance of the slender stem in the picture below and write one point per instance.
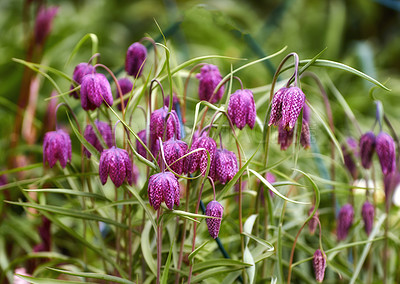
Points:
(155, 52)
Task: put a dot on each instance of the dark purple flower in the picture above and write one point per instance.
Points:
(94, 89)
(285, 137)
(117, 164)
(135, 59)
(350, 151)
(385, 149)
(163, 187)
(242, 109)
(139, 147)
(57, 146)
(214, 209)
(175, 100)
(157, 122)
(368, 213)
(390, 181)
(209, 77)
(367, 148)
(224, 166)
(319, 263)
(345, 220)
(126, 87)
(286, 107)
(90, 135)
(173, 150)
(43, 24)
(3, 180)
(80, 71)
(313, 223)
(198, 160)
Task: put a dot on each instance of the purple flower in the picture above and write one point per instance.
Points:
(157, 122)
(286, 107)
(385, 149)
(126, 87)
(214, 209)
(285, 136)
(390, 181)
(163, 187)
(3, 180)
(135, 59)
(224, 166)
(368, 213)
(139, 147)
(242, 109)
(80, 71)
(43, 24)
(209, 77)
(305, 135)
(350, 150)
(173, 150)
(94, 89)
(57, 146)
(117, 164)
(345, 220)
(45, 236)
(367, 148)
(198, 160)
(90, 135)
(175, 100)
(319, 263)
(313, 223)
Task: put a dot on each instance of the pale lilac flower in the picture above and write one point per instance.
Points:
(163, 187)
(117, 164)
(367, 149)
(345, 220)
(135, 59)
(386, 151)
(319, 263)
(368, 213)
(90, 135)
(209, 77)
(214, 209)
(242, 109)
(57, 147)
(94, 89)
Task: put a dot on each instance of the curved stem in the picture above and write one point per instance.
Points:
(212, 184)
(185, 90)
(155, 51)
(94, 56)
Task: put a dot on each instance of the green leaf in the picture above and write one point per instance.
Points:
(164, 277)
(211, 273)
(263, 242)
(21, 169)
(146, 249)
(197, 250)
(47, 280)
(105, 277)
(70, 192)
(95, 43)
(251, 271)
(219, 262)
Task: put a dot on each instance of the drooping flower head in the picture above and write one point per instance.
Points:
(198, 160)
(386, 151)
(90, 135)
(319, 263)
(139, 147)
(80, 71)
(126, 87)
(368, 213)
(209, 77)
(242, 109)
(117, 164)
(214, 209)
(94, 89)
(135, 59)
(43, 24)
(313, 223)
(57, 147)
(350, 151)
(224, 166)
(345, 220)
(367, 148)
(173, 150)
(163, 187)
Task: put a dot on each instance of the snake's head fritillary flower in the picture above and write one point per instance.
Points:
(224, 166)
(209, 77)
(350, 151)
(367, 148)
(163, 187)
(126, 87)
(386, 151)
(90, 135)
(80, 71)
(214, 209)
(135, 59)
(198, 160)
(345, 220)
(242, 109)
(139, 147)
(368, 213)
(285, 136)
(319, 263)
(175, 101)
(173, 150)
(94, 89)
(43, 24)
(57, 147)
(117, 164)
(313, 223)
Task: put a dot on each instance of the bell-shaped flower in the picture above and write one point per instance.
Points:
(242, 109)
(344, 222)
(199, 159)
(80, 71)
(163, 187)
(117, 164)
(386, 151)
(350, 151)
(139, 147)
(214, 209)
(224, 166)
(367, 149)
(209, 78)
(368, 213)
(94, 89)
(135, 59)
(173, 150)
(43, 23)
(57, 147)
(319, 263)
(285, 136)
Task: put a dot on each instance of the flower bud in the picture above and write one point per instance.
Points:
(139, 147)
(43, 24)
(319, 263)
(57, 146)
(385, 149)
(345, 220)
(135, 59)
(367, 148)
(209, 77)
(198, 160)
(173, 150)
(117, 164)
(214, 209)
(126, 87)
(350, 150)
(313, 223)
(224, 166)
(80, 71)
(242, 109)
(90, 135)
(163, 187)
(368, 213)
(94, 89)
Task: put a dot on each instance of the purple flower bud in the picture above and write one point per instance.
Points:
(43, 24)
(385, 149)
(57, 146)
(224, 166)
(367, 148)
(126, 87)
(173, 150)
(117, 164)
(139, 147)
(242, 109)
(305, 135)
(286, 106)
(350, 150)
(214, 209)
(135, 59)
(163, 187)
(368, 213)
(319, 263)
(94, 89)
(345, 220)
(90, 135)
(157, 122)
(80, 71)
(390, 181)
(313, 223)
(285, 137)
(209, 77)
(198, 160)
